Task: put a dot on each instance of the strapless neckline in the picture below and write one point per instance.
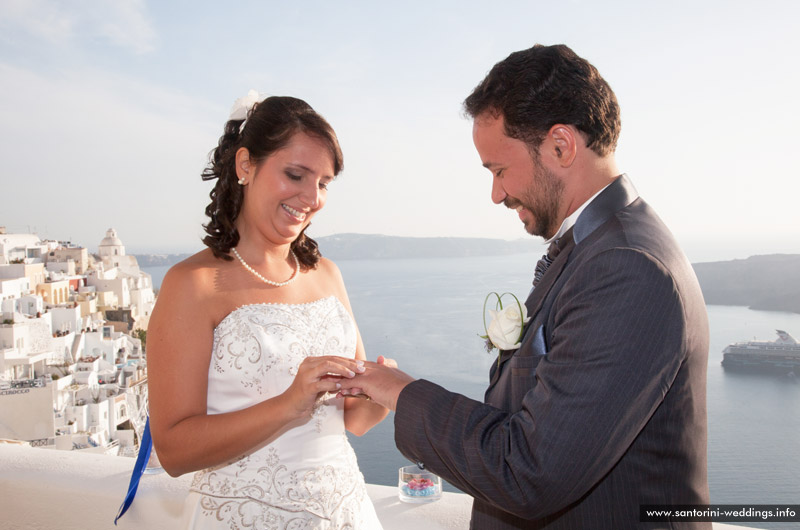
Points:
(277, 304)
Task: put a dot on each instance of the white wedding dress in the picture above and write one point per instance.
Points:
(306, 477)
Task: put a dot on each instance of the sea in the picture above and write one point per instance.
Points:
(427, 315)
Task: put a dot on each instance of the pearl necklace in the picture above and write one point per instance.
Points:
(265, 280)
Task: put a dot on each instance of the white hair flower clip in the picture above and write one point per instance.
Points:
(241, 107)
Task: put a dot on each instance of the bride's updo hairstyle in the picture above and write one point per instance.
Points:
(268, 127)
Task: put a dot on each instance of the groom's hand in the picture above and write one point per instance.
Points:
(381, 381)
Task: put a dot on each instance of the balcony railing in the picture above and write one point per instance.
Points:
(70, 490)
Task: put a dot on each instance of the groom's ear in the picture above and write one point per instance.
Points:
(561, 143)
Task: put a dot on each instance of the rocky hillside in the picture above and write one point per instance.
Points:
(770, 282)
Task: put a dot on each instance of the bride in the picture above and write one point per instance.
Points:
(250, 336)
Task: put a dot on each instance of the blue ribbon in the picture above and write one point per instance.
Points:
(145, 447)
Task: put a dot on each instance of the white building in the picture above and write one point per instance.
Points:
(63, 369)
(112, 280)
(11, 290)
(34, 272)
(26, 411)
(20, 248)
(112, 346)
(23, 343)
(121, 275)
(111, 246)
(65, 391)
(29, 304)
(67, 253)
(67, 319)
(61, 268)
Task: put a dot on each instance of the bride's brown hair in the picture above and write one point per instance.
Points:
(269, 126)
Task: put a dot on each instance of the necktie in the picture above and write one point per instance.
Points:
(552, 252)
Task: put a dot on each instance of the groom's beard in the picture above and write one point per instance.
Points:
(541, 199)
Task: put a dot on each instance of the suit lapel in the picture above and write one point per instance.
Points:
(534, 303)
(617, 195)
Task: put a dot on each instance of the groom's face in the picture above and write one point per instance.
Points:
(519, 178)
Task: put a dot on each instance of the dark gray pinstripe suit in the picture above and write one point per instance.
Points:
(603, 407)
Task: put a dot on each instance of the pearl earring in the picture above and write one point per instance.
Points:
(241, 181)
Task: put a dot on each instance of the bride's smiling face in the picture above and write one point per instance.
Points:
(283, 192)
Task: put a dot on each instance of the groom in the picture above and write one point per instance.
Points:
(603, 406)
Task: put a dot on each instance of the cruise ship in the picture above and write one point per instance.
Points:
(780, 356)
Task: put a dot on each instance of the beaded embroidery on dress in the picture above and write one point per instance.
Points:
(306, 477)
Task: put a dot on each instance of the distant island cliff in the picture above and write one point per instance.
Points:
(769, 282)
(368, 246)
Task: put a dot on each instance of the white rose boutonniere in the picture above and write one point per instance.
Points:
(505, 329)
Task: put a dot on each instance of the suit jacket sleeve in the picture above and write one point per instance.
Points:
(616, 345)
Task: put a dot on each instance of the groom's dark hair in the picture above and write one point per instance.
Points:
(537, 88)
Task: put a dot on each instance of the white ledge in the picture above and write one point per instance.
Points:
(71, 490)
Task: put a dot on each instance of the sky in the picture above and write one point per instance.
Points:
(108, 110)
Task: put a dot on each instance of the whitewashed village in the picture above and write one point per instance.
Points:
(71, 354)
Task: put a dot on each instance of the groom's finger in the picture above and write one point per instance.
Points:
(354, 393)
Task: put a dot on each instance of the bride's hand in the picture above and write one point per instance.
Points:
(316, 376)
